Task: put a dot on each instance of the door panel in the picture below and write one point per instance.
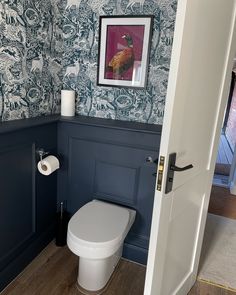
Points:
(202, 57)
(187, 204)
(199, 70)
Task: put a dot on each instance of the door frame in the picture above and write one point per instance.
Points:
(232, 175)
(226, 117)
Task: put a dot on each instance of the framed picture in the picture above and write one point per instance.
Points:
(124, 46)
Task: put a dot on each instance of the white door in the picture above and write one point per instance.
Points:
(199, 79)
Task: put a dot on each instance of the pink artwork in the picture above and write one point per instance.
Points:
(123, 53)
(124, 48)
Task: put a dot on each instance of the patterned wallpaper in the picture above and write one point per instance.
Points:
(47, 45)
(30, 59)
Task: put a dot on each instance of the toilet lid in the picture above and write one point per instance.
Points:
(99, 222)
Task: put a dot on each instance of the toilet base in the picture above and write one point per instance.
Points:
(98, 292)
(94, 274)
(86, 292)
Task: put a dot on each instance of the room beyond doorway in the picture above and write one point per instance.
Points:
(225, 163)
(230, 120)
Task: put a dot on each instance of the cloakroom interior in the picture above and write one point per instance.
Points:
(83, 85)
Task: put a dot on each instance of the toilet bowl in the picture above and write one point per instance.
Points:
(96, 233)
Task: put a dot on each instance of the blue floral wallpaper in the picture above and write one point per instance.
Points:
(30, 59)
(49, 45)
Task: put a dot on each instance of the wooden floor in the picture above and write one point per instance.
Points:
(222, 202)
(54, 272)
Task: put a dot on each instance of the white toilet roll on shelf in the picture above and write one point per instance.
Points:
(68, 103)
(48, 165)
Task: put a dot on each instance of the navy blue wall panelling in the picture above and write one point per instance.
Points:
(28, 199)
(109, 163)
(100, 158)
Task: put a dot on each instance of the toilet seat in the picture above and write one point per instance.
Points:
(97, 229)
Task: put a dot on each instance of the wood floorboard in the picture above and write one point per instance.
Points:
(54, 272)
(222, 202)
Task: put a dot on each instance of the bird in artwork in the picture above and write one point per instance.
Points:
(122, 60)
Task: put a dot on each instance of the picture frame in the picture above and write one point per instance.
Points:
(124, 49)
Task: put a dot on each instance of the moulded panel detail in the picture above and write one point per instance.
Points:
(116, 182)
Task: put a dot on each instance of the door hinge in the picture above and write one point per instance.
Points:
(160, 173)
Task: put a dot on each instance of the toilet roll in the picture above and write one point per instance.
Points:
(68, 103)
(48, 165)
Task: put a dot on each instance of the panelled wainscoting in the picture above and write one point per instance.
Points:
(107, 160)
(28, 200)
(100, 158)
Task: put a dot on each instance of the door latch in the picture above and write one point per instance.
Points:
(160, 173)
(172, 168)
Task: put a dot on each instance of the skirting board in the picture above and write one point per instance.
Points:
(134, 253)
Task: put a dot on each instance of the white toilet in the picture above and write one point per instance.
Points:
(96, 233)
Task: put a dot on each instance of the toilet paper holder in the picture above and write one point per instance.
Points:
(47, 163)
(41, 153)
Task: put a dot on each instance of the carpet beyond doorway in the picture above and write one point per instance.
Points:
(218, 258)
